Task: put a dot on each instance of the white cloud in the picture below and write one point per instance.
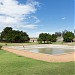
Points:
(36, 34)
(15, 15)
(29, 26)
(63, 18)
(37, 20)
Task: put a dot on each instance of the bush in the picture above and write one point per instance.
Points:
(0, 47)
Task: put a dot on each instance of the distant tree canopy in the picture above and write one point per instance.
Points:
(46, 38)
(10, 35)
(68, 36)
(0, 38)
(58, 34)
(53, 38)
(63, 32)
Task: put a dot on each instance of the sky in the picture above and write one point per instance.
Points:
(37, 16)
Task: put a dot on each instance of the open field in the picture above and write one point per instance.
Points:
(21, 44)
(11, 64)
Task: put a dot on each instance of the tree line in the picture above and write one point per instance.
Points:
(14, 36)
(67, 36)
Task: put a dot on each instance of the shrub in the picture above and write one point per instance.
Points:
(0, 47)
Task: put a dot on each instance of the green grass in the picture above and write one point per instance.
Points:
(12, 64)
(17, 44)
(34, 43)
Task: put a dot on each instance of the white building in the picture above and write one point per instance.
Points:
(33, 39)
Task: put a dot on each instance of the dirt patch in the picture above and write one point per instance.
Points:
(45, 57)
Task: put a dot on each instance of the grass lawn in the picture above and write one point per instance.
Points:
(12, 64)
(35, 43)
(17, 44)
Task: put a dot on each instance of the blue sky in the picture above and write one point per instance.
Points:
(37, 16)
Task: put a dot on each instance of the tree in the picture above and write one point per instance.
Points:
(39, 40)
(63, 32)
(14, 36)
(42, 37)
(53, 38)
(0, 36)
(5, 33)
(46, 38)
(58, 34)
(68, 36)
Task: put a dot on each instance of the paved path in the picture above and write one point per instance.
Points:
(45, 57)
